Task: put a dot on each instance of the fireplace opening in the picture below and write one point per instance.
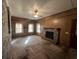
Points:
(49, 35)
(52, 34)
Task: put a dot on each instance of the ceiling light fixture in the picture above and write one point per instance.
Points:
(36, 13)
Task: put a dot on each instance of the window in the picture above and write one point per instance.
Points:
(19, 28)
(30, 28)
(38, 29)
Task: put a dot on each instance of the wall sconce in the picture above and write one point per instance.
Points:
(55, 21)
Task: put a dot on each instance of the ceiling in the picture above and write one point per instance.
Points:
(25, 8)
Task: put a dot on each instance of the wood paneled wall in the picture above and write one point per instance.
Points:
(25, 23)
(19, 20)
(63, 21)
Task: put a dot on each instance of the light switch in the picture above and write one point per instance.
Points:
(66, 32)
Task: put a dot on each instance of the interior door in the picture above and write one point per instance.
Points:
(73, 40)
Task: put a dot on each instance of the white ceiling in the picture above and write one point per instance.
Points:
(24, 8)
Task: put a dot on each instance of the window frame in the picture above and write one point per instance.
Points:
(16, 28)
(38, 28)
(32, 29)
